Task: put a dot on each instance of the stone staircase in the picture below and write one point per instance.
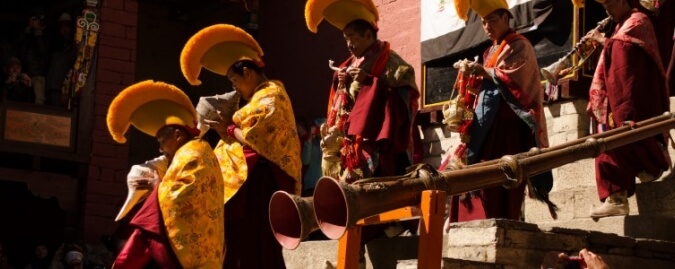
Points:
(644, 239)
(512, 244)
(652, 207)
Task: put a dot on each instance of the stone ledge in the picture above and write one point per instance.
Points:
(648, 227)
(516, 245)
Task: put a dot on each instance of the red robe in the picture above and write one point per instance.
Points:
(249, 237)
(635, 91)
(148, 246)
(517, 126)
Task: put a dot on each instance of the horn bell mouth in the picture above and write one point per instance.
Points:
(330, 207)
(285, 220)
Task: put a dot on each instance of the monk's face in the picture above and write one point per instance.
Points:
(616, 9)
(244, 83)
(496, 25)
(358, 43)
(170, 140)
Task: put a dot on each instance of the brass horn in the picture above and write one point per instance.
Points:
(553, 72)
(338, 205)
(291, 218)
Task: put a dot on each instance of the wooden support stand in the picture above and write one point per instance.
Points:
(429, 253)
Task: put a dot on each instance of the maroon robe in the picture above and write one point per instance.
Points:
(508, 135)
(635, 92)
(148, 246)
(248, 235)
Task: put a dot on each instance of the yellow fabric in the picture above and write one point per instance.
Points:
(154, 115)
(482, 7)
(149, 105)
(216, 48)
(339, 13)
(190, 198)
(268, 126)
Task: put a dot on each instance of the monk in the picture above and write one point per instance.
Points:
(629, 85)
(509, 116)
(180, 224)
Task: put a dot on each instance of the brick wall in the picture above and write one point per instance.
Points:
(109, 165)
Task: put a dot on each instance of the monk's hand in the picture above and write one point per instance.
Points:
(221, 122)
(147, 183)
(477, 69)
(357, 74)
(595, 36)
(342, 74)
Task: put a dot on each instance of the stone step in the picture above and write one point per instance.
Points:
(653, 203)
(380, 253)
(448, 263)
(513, 244)
(651, 227)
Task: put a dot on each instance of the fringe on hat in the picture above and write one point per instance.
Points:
(205, 39)
(136, 95)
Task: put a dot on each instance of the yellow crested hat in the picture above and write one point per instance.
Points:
(149, 106)
(339, 13)
(216, 48)
(482, 7)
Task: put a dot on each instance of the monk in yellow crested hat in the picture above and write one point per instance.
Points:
(340, 13)
(482, 7)
(186, 198)
(508, 119)
(259, 151)
(372, 103)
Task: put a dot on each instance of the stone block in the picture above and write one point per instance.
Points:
(473, 236)
(312, 254)
(574, 175)
(566, 107)
(637, 226)
(656, 245)
(536, 211)
(656, 198)
(449, 263)
(565, 123)
(543, 240)
(486, 254)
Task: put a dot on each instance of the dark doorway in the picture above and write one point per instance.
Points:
(27, 220)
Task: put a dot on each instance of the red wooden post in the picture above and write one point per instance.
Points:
(348, 249)
(430, 247)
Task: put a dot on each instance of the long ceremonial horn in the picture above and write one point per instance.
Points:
(338, 205)
(292, 218)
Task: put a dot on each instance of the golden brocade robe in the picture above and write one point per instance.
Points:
(267, 123)
(190, 198)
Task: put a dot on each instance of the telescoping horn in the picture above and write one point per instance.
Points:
(551, 72)
(291, 218)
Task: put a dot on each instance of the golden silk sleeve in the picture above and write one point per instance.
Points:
(191, 201)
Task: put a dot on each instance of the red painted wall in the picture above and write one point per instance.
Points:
(106, 180)
(400, 25)
(300, 58)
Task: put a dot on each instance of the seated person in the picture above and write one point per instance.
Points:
(16, 86)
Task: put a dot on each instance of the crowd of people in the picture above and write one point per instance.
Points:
(67, 256)
(36, 63)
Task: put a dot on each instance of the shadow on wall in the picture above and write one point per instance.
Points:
(656, 204)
